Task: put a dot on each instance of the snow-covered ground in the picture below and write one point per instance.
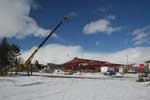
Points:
(62, 74)
(46, 88)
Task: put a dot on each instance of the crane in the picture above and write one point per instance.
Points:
(28, 61)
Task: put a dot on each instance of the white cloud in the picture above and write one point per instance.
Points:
(141, 35)
(55, 53)
(58, 53)
(111, 17)
(100, 26)
(15, 20)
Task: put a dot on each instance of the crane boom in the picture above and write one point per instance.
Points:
(28, 61)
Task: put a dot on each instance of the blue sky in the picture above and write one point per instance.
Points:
(105, 26)
(130, 15)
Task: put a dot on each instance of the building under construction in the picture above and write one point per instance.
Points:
(86, 65)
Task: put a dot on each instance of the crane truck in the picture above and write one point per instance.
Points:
(27, 64)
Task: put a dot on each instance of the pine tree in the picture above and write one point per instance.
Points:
(4, 53)
(8, 55)
(4, 59)
(14, 52)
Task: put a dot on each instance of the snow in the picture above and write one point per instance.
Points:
(47, 88)
(61, 74)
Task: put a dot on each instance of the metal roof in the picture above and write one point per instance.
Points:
(93, 63)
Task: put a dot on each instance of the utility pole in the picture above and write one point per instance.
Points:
(127, 60)
(126, 64)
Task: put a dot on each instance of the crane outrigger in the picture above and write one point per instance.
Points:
(27, 63)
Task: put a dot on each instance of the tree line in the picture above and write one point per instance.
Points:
(8, 56)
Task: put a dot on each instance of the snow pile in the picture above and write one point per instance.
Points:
(58, 72)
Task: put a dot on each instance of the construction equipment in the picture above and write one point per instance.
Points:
(28, 61)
